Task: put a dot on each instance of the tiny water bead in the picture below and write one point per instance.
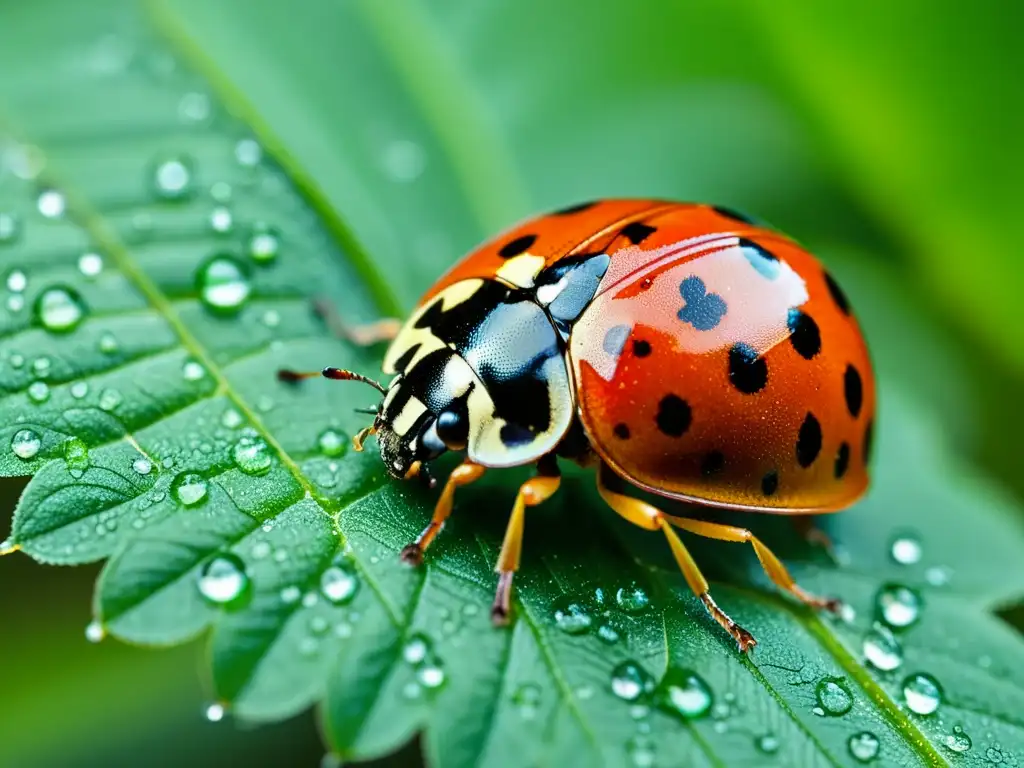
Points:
(221, 220)
(958, 741)
(26, 444)
(192, 371)
(16, 281)
(79, 390)
(863, 746)
(684, 694)
(172, 178)
(38, 392)
(15, 302)
(768, 743)
(332, 443)
(51, 203)
(881, 648)
(339, 584)
(76, 457)
(194, 107)
(897, 605)
(215, 712)
(59, 309)
(431, 675)
(632, 598)
(607, 633)
(905, 550)
(108, 344)
(231, 419)
(571, 615)
(223, 283)
(189, 489)
(922, 693)
(94, 631)
(264, 244)
(142, 465)
(833, 697)
(248, 152)
(40, 366)
(938, 575)
(110, 399)
(630, 681)
(10, 228)
(223, 580)
(527, 698)
(252, 455)
(416, 648)
(90, 264)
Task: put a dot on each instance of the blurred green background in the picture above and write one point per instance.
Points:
(886, 137)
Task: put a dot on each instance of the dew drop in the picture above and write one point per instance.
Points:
(79, 390)
(339, 584)
(15, 302)
(630, 681)
(863, 746)
(958, 741)
(248, 152)
(108, 344)
(767, 743)
(290, 594)
(607, 633)
(110, 399)
(214, 713)
(231, 419)
(59, 309)
(172, 178)
(252, 455)
(192, 371)
(938, 575)
(40, 366)
(571, 615)
(632, 598)
(10, 228)
(38, 392)
(431, 676)
(90, 264)
(271, 318)
(16, 281)
(881, 648)
(189, 488)
(194, 107)
(223, 283)
(684, 694)
(76, 457)
(26, 444)
(922, 693)
(416, 649)
(142, 465)
(833, 696)
(527, 699)
(264, 244)
(332, 443)
(223, 579)
(95, 632)
(221, 220)
(897, 605)
(51, 203)
(17, 361)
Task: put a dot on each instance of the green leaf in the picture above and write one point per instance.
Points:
(222, 503)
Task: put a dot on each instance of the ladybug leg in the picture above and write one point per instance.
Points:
(360, 335)
(464, 474)
(646, 516)
(772, 565)
(531, 493)
(815, 536)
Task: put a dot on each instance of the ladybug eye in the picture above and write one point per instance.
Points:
(453, 429)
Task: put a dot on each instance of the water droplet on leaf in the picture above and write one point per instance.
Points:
(571, 615)
(38, 392)
(90, 264)
(10, 228)
(51, 203)
(94, 631)
(684, 693)
(264, 244)
(59, 309)
(897, 605)
(221, 220)
(16, 281)
(76, 457)
(767, 743)
(632, 598)
(252, 455)
(224, 580)
(863, 746)
(189, 488)
(922, 693)
(108, 344)
(26, 444)
(416, 649)
(881, 648)
(223, 283)
(833, 696)
(214, 713)
(142, 465)
(339, 584)
(172, 178)
(332, 443)
(110, 399)
(79, 390)
(248, 152)
(958, 741)
(905, 550)
(630, 681)
(192, 371)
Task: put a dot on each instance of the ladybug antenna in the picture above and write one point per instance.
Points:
(370, 411)
(337, 374)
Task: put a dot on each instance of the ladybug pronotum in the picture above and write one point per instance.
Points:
(678, 348)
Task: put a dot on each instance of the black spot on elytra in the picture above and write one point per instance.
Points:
(808, 443)
(621, 431)
(869, 441)
(748, 371)
(517, 246)
(803, 334)
(712, 463)
(674, 416)
(730, 213)
(403, 362)
(615, 340)
(770, 483)
(854, 390)
(637, 232)
(837, 294)
(574, 208)
(764, 262)
(641, 348)
(842, 460)
(702, 310)
(515, 435)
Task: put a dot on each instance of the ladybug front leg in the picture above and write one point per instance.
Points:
(531, 493)
(647, 516)
(464, 474)
(361, 335)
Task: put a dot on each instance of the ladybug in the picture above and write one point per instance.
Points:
(678, 348)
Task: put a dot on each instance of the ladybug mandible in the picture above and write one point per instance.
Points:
(679, 348)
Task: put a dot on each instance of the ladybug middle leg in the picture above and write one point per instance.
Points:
(647, 516)
(464, 474)
(531, 493)
(361, 335)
